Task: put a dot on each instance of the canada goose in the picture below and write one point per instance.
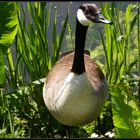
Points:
(75, 90)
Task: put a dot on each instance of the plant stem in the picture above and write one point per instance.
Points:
(11, 66)
(138, 51)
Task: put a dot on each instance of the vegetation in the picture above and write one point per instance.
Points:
(26, 57)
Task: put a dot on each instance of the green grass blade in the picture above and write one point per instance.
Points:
(132, 24)
(54, 37)
(61, 37)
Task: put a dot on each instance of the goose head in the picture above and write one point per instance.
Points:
(89, 13)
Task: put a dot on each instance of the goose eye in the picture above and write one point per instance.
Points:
(86, 12)
(89, 11)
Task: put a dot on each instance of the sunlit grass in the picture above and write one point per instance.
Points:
(118, 46)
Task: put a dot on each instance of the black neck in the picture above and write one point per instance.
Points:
(80, 36)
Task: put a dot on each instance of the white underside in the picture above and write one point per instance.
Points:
(74, 86)
(76, 102)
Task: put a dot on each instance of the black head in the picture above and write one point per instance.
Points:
(90, 13)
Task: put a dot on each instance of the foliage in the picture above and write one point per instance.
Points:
(26, 57)
(126, 112)
(118, 44)
(21, 99)
(9, 24)
(35, 52)
(8, 30)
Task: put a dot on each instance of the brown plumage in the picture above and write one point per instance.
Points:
(56, 78)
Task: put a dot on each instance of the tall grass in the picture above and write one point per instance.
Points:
(21, 98)
(35, 52)
(118, 42)
(118, 46)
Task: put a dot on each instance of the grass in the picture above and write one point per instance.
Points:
(118, 44)
(23, 112)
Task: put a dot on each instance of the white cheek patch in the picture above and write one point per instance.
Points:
(82, 18)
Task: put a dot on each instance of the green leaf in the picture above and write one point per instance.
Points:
(8, 24)
(126, 113)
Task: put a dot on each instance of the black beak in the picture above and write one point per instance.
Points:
(102, 19)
